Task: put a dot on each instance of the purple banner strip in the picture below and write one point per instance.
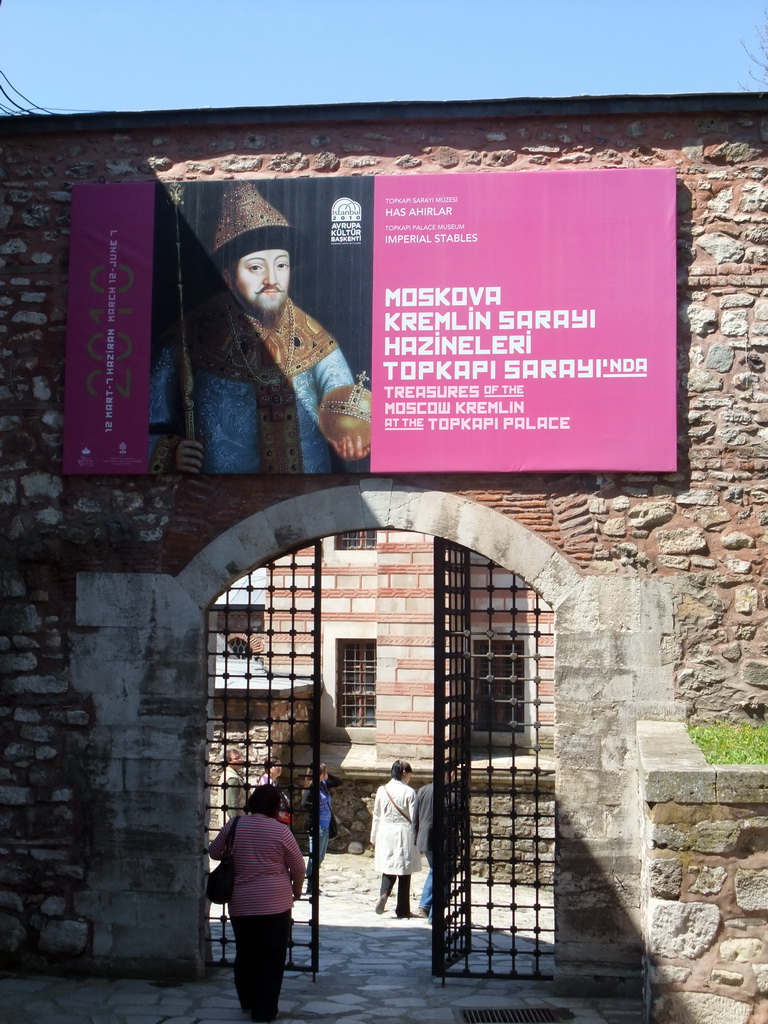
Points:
(106, 403)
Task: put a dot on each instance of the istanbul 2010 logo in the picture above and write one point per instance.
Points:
(346, 222)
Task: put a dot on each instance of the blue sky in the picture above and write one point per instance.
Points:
(75, 55)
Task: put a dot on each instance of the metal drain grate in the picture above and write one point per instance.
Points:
(520, 1015)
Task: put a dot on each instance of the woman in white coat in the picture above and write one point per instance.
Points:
(392, 836)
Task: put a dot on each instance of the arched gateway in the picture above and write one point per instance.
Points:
(140, 656)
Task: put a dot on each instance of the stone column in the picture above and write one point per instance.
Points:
(137, 656)
(610, 670)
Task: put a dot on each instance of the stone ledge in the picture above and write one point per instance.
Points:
(672, 768)
(742, 783)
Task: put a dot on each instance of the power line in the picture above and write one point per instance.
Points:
(33, 106)
(16, 107)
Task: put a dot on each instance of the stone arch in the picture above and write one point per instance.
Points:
(378, 504)
(146, 743)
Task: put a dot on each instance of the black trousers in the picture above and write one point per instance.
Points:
(261, 942)
(403, 905)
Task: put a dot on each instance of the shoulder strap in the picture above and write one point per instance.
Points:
(405, 814)
(229, 849)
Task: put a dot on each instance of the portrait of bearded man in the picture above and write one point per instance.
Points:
(261, 385)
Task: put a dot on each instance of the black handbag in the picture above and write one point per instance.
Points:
(221, 881)
(333, 827)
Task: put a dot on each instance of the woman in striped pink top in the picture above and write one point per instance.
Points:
(269, 875)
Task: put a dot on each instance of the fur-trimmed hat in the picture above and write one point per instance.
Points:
(248, 223)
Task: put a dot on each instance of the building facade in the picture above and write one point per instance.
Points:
(656, 582)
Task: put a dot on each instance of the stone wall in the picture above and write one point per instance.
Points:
(706, 883)
(105, 580)
(520, 846)
(700, 528)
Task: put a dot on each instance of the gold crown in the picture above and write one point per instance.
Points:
(356, 402)
(245, 209)
(346, 413)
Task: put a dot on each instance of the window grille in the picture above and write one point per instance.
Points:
(355, 540)
(356, 693)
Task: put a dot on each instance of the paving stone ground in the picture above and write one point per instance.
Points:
(372, 968)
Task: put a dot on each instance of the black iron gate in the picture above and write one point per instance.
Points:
(494, 789)
(264, 701)
(451, 909)
(494, 783)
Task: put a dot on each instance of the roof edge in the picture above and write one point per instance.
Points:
(391, 110)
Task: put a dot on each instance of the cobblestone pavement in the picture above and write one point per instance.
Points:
(372, 968)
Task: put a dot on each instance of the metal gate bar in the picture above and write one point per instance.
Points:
(451, 912)
(493, 661)
(264, 699)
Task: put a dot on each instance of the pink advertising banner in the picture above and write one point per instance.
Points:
(506, 322)
(525, 322)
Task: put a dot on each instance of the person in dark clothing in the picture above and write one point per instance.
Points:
(325, 784)
(422, 827)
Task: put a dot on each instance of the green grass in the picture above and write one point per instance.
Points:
(726, 743)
